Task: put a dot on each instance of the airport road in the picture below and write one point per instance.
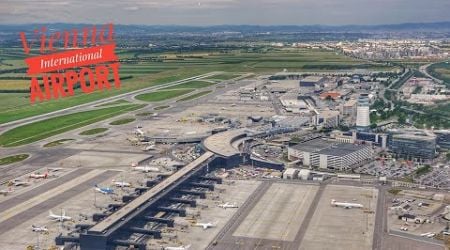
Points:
(54, 201)
(16, 200)
(304, 226)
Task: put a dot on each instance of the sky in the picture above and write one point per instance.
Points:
(218, 12)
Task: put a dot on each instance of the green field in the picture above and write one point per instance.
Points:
(43, 129)
(94, 131)
(122, 121)
(114, 103)
(223, 77)
(441, 71)
(192, 85)
(161, 107)
(151, 69)
(162, 95)
(13, 158)
(196, 95)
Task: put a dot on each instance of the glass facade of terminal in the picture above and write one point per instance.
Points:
(411, 147)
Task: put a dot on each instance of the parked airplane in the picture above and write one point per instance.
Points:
(5, 192)
(39, 176)
(346, 204)
(228, 205)
(104, 190)
(60, 218)
(428, 235)
(146, 169)
(121, 184)
(43, 229)
(139, 132)
(205, 225)
(20, 183)
(149, 147)
(178, 248)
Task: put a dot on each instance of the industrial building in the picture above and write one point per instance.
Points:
(310, 84)
(327, 118)
(326, 154)
(443, 138)
(348, 111)
(412, 144)
(363, 113)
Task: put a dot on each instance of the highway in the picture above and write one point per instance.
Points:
(423, 70)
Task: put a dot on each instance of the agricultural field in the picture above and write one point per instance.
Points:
(162, 95)
(46, 128)
(147, 69)
(14, 84)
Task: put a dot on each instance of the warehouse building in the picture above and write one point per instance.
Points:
(330, 155)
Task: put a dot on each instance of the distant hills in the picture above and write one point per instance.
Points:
(404, 27)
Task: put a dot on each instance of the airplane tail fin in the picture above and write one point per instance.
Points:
(50, 213)
(63, 213)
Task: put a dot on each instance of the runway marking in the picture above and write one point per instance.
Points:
(19, 208)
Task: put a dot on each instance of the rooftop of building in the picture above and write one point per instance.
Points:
(312, 79)
(323, 146)
(313, 145)
(341, 149)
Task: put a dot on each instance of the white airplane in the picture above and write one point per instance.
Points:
(39, 176)
(205, 225)
(139, 132)
(20, 183)
(149, 147)
(146, 169)
(104, 190)
(43, 229)
(178, 248)
(428, 235)
(228, 205)
(346, 204)
(121, 184)
(60, 218)
(5, 192)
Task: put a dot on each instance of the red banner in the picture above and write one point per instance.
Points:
(71, 59)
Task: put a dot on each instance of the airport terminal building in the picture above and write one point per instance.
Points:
(330, 155)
